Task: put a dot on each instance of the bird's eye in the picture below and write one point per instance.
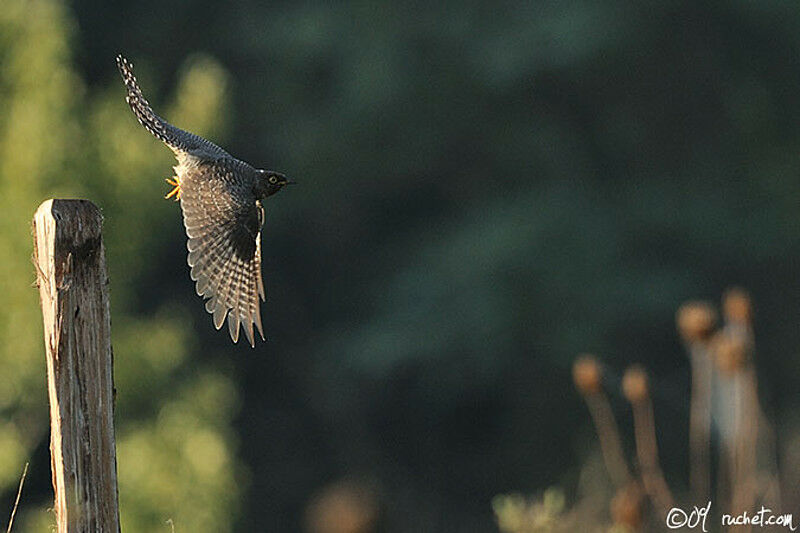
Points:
(273, 179)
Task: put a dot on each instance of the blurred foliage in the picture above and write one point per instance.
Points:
(515, 514)
(485, 190)
(176, 448)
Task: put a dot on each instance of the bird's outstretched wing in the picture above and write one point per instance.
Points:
(177, 139)
(223, 222)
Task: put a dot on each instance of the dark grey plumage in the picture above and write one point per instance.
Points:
(221, 201)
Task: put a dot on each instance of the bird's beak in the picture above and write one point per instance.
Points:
(290, 182)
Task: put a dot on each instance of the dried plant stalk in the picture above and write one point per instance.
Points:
(743, 471)
(16, 501)
(635, 388)
(700, 422)
(696, 322)
(587, 375)
(735, 358)
(610, 442)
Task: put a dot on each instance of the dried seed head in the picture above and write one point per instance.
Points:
(696, 321)
(587, 374)
(730, 353)
(626, 507)
(736, 306)
(634, 384)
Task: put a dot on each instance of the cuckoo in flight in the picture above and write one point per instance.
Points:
(221, 198)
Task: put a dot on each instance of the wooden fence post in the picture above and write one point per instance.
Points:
(73, 286)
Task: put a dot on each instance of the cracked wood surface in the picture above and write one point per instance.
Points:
(73, 286)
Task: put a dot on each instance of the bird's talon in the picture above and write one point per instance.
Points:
(176, 191)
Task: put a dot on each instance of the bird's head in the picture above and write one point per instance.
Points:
(270, 182)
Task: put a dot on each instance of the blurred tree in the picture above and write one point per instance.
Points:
(174, 436)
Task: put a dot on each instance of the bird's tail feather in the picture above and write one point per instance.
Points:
(141, 108)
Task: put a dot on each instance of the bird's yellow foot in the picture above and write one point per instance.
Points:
(176, 191)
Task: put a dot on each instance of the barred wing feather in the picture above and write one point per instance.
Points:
(223, 226)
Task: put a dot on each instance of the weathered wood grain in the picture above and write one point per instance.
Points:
(73, 287)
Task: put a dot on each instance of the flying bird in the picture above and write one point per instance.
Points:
(222, 202)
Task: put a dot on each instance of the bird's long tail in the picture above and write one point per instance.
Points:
(141, 108)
